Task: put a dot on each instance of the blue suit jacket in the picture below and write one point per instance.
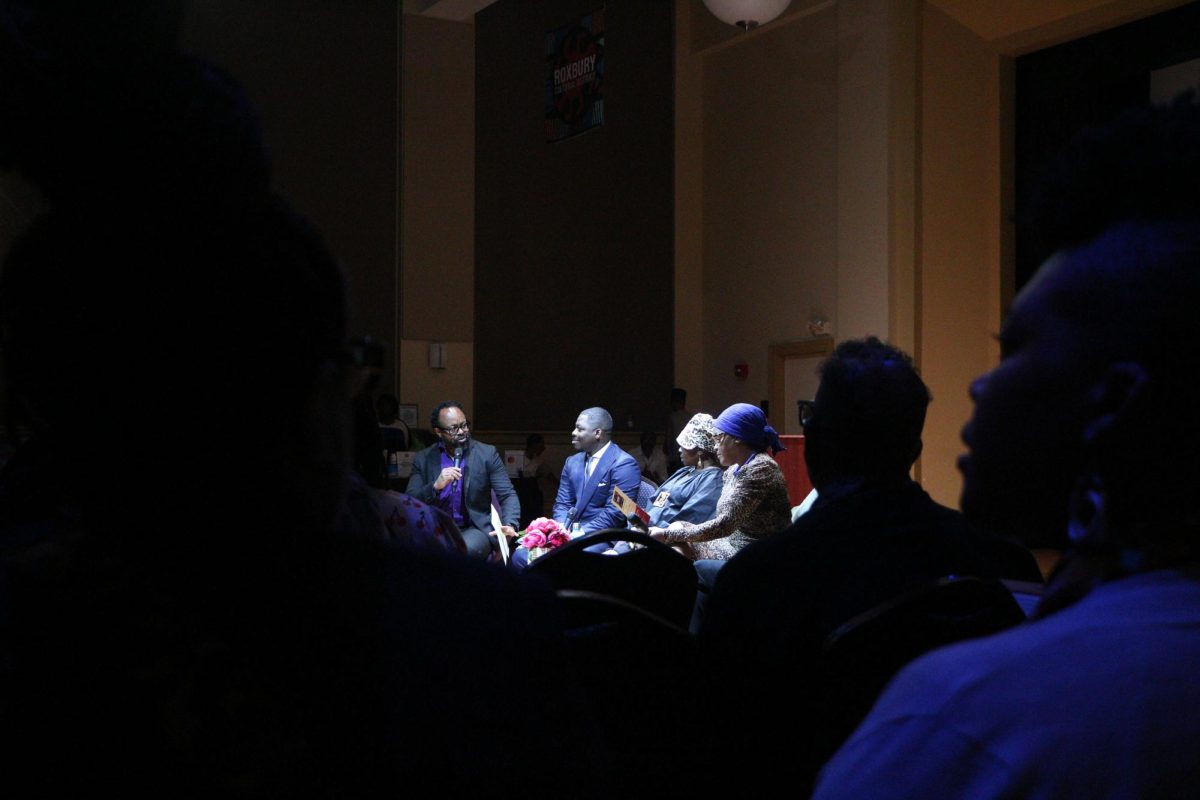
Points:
(591, 498)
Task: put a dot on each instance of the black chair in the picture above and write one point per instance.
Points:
(653, 576)
(587, 613)
(637, 674)
(861, 656)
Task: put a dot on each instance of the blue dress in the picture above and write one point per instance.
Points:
(690, 495)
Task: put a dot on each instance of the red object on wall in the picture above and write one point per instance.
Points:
(791, 461)
(740, 371)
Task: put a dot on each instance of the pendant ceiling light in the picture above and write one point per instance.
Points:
(746, 14)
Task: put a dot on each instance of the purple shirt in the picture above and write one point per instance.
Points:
(450, 498)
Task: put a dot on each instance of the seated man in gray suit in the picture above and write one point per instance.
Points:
(458, 475)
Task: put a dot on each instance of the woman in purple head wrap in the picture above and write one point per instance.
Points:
(754, 501)
(748, 424)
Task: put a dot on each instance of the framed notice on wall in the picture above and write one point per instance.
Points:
(408, 415)
(575, 77)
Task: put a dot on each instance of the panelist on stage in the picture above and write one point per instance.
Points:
(588, 477)
(585, 489)
(458, 475)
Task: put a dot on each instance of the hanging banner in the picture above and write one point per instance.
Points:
(575, 77)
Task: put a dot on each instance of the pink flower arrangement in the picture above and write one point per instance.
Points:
(544, 532)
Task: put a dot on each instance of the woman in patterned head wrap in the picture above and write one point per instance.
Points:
(690, 495)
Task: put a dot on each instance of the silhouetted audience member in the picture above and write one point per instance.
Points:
(395, 432)
(650, 458)
(190, 625)
(871, 535)
(536, 483)
(1082, 438)
(677, 420)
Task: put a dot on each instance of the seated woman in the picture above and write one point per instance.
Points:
(690, 495)
(754, 500)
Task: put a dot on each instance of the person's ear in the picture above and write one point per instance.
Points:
(916, 453)
(1113, 398)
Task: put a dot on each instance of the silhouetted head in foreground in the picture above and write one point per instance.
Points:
(1084, 435)
(206, 346)
(867, 416)
(170, 328)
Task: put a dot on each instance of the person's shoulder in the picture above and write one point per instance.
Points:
(950, 518)
(427, 454)
(934, 515)
(991, 555)
(683, 473)
(763, 465)
(484, 449)
(622, 457)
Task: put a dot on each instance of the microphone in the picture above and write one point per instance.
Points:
(457, 464)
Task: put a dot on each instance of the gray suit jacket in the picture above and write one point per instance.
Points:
(484, 473)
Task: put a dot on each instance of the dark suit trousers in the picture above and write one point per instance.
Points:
(479, 544)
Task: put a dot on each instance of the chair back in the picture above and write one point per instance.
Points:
(646, 493)
(861, 656)
(638, 675)
(651, 576)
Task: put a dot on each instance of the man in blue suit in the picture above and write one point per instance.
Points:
(588, 477)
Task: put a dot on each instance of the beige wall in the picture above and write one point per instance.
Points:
(690, 338)
(427, 387)
(770, 212)
(856, 163)
(437, 211)
(965, 192)
(329, 86)
(959, 213)
(862, 169)
(807, 143)
(324, 77)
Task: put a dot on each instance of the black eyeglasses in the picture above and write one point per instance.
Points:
(808, 410)
(459, 428)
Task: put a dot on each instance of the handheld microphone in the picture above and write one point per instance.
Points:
(457, 464)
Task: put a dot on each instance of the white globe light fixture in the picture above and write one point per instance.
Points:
(746, 14)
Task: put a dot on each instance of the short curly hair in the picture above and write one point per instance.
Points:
(871, 409)
(433, 415)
